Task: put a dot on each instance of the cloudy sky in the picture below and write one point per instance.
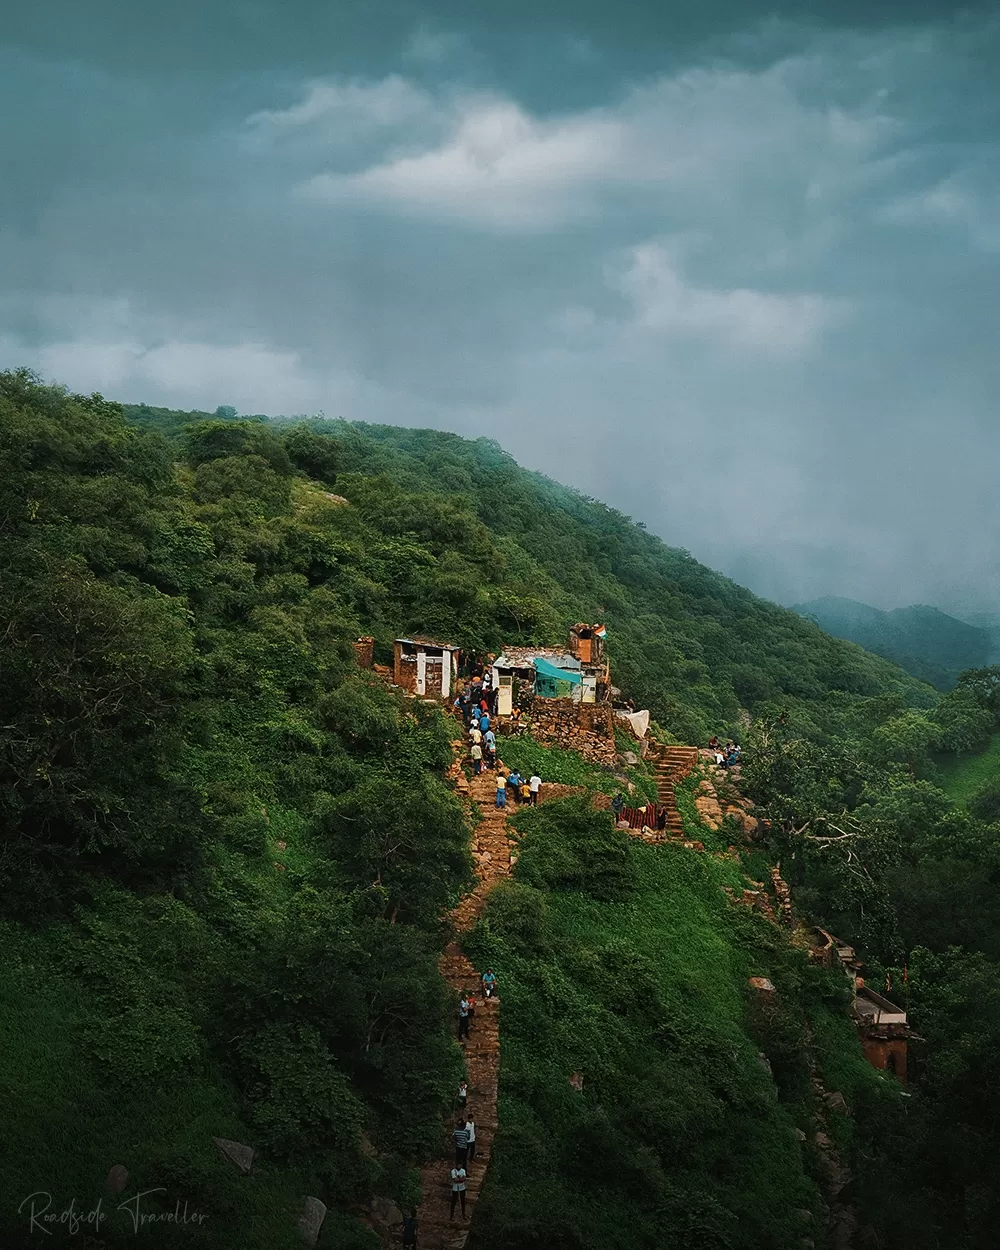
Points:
(734, 271)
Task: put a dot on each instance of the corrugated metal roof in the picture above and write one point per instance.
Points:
(429, 642)
(524, 657)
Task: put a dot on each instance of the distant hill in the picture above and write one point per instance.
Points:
(928, 643)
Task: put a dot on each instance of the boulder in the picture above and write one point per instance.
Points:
(386, 1213)
(311, 1220)
(836, 1102)
(117, 1178)
(240, 1156)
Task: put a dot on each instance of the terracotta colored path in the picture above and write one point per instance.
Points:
(492, 849)
(493, 844)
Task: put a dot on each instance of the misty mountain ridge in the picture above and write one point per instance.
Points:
(921, 639)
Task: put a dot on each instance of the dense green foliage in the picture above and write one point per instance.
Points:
(450, 537)
(226, 854)
(928, 643)
(628, 965)
(878, 853)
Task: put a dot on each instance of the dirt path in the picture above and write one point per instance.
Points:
(492, 847)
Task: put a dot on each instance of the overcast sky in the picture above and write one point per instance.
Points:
(735, 275)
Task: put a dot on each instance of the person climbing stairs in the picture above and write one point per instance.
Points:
(492, 853)
(671, 765)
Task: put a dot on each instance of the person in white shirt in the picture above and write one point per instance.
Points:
(534, 785)
(458, 1190)
(470, 1128)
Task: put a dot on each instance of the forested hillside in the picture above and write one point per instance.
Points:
(928, 643)
(452, 537)
(226, 855)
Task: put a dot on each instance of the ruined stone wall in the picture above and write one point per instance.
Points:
(886, 1054)
(364, 649)
(587, 728)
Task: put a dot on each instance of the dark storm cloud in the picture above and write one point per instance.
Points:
(737, 278)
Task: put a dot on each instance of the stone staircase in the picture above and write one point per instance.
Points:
(492, 853)
(671, 765)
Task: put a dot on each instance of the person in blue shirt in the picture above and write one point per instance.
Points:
(484, 721)
(489, 983)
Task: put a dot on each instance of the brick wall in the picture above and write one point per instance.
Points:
(587, 728)
(364, 649)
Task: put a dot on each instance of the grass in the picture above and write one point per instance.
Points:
(568, 768)
(960, 777)
(646, 995)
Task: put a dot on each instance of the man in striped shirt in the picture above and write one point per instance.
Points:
(461, 1136)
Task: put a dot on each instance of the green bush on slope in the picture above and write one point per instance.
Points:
(682, 1135)
(199, 798)
(196, 789)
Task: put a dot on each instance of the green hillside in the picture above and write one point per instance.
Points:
(928, 643)
(451, 537)
(227, 854)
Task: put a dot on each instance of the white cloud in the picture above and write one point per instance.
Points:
(341, 114)
(486, 161)
(664, 303)
(250, 375)
(499, 167)
(955, 202)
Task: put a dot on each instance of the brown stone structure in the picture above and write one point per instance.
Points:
(587, 728)
(586, 644)
(884, 1031)
(887, 1053)
(424, 667)
(364, 650)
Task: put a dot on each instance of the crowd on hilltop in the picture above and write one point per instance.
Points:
(476, 704)
(725, 756)
(479, 697)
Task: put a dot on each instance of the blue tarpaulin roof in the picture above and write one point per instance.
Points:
(545, 669)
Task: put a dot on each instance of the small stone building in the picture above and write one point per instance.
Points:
(882, 1026)
(884, 1032)
(518, 665)
(425, 667)
(580, 672)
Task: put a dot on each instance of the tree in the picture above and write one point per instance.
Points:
(966, 720)
(907, 738)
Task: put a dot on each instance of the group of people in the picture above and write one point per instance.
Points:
(482, 743)
(725, 756)
(476, 699)
(524, 789)
(464, 1134)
